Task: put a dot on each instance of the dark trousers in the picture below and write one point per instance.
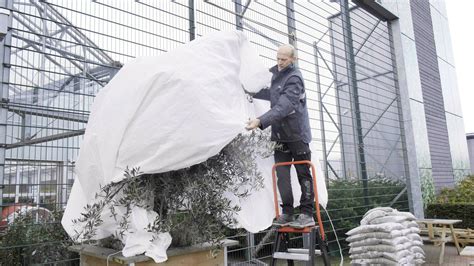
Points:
(288, 152)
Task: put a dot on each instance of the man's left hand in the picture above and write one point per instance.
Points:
(253, 124)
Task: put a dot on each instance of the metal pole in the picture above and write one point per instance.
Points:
(5, 54)
(290, 15)
(43, 14)
(306, 245)
(321, 114)
(192, 21)
(338, 104)
(17, 186)
(251, 246)
(355, 107)
(238, 16)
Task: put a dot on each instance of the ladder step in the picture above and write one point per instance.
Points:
(291, 256)
(303, 251)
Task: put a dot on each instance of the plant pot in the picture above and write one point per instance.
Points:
(192, 255)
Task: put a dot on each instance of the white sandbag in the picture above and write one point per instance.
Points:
(418, 255)
(382, 215)
(388, 219)
(408, 215)
(381, 235)
(372, 255)
(382, 209)
(369, 216)
(372, 243)
(414, 237)
(419, 261)
(409, 260)
(417, 250)
(380, 248)
(409, 224)
(397, 256)
(394, 256)
(415, 230)
(376, 261)
(377, 241)
(386, 227)
(362, 236)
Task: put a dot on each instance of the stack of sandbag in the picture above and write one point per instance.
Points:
(387, 237)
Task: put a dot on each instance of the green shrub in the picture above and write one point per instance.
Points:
(427, 186)
(460, 211)
(455, 203)
(26, 242)
(462, 193)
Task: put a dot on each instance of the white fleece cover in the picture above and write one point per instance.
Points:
(169, 112)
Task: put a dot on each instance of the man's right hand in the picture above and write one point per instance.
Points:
(253, 124)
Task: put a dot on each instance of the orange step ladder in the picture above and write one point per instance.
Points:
(315, 233)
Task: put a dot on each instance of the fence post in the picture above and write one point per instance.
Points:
(353, 90)
(5, 54)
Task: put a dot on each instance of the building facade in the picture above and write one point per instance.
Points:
(470, 147)
(427, 77)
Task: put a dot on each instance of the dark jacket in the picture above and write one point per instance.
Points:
(288, 115)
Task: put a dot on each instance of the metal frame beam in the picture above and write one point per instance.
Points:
(371, 77)
(355, 106)
(338, 104)
(399, 195)
(5, 56)
(192, 20)
(66, 29)
(368, 77)
(35, 45)
(247, 25)
(274, 42)
(240, 13)
(330, 117)
(45, 139)
(74, 33)
(246, 7)
(321, 114)
(333, 144)
(360, 47)
(38, 111)
(354, 99)
(333, 171)
(290, 17)
(379, 117)
(375, 9)
(393, 148)
(375, 159)
(323, 107)
(367, 38)
(328, 166)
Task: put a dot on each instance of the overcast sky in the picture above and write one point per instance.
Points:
(461, 25)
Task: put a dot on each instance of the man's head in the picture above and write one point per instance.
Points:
(285, 56)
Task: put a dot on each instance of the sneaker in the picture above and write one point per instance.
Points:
(303, 220)
(283, 220)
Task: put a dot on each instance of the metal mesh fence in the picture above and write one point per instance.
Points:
(58, 54)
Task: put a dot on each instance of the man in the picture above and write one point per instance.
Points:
(289, 120)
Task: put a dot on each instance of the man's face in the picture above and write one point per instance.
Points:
(284, 58)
